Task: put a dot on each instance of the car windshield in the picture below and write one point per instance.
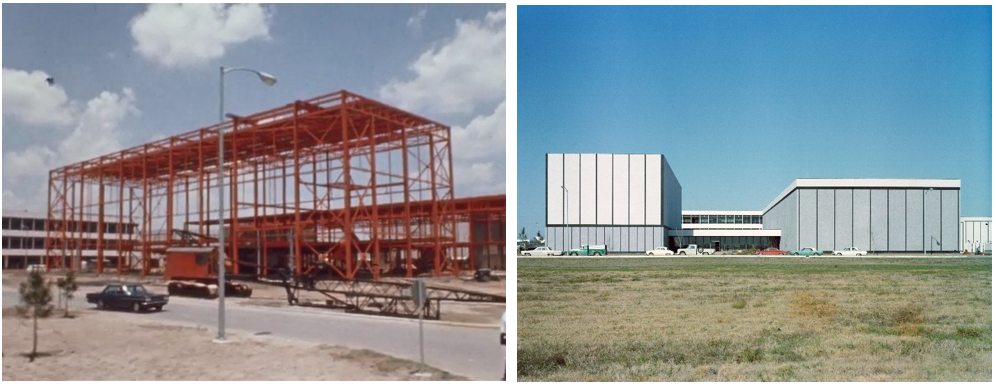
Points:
(136, 290)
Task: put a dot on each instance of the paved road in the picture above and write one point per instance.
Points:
(467, 351)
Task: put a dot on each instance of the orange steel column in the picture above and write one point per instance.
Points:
(375, 223)
(100, 225)
(79, 227)
(347, 225)
(48, 226)
(407, 216)
(233, 190)
(296, 238)
(121, 234)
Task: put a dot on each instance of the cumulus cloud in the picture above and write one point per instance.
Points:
(189, 35)
(28, 98)
(479, 154)
(96, 131)
(467, 70)
(415, 21)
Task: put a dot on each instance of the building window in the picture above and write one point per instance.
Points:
(740, 219)
(712, 219)
(686, 219)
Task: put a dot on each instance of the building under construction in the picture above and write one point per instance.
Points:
(363, 187)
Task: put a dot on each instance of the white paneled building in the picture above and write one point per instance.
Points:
(628, 202)
(24, 238)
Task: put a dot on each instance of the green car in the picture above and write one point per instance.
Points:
(806, 252)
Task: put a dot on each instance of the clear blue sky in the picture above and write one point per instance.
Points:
(743, 100)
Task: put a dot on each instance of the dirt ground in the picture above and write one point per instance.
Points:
(121, 346)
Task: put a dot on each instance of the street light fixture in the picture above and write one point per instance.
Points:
(268, 80)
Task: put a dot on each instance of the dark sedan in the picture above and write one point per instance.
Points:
(133, 297)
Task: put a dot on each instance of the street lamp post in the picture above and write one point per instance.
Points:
(269, 80)
(567, 220)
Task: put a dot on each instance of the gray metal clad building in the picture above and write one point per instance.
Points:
(625, 201)
(880, 215)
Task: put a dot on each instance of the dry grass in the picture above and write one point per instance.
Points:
(755, 319)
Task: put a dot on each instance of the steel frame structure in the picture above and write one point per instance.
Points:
(339, 178)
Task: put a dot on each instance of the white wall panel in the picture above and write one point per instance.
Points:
(637, 190)
(654, 175)
(554, 194)
(572, 178)
(588, 188)
(620, 189)
(604, 191)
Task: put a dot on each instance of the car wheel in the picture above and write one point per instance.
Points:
(650, 253)
(840, 254)
(681, 253)
(135, 307)
(100, 304)
(598, 253)
(159, 308)
(859, 254)
(526, 254)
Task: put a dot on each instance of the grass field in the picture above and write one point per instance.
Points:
(755, 319)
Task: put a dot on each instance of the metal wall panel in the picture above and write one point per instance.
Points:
(914, 220)
(620, 189)
(588, 189)
(572, 181)
(582, 237)
(862, 219)
(554, 194)
(932, 220)
(637, 190)
(843, 227)
(879, 220)
(824, 220)
(659, 236)
(807, 217)
(949, 220)
(654, 190)
(574, 237)
(623, 239)
(604, 191)
(897, 220)
(784, 216)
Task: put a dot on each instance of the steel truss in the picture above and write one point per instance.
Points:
(340, 179)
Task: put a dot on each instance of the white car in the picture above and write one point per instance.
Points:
(542, 251)
(660, 251)
(850, 251)
(503, 341)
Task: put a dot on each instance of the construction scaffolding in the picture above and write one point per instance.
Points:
(362, 187)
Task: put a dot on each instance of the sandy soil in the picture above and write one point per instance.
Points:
(98, 345)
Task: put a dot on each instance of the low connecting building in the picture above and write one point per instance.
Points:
(25, 236)
(632, 203)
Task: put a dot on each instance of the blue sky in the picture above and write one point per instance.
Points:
(743, 100)
(129, 74)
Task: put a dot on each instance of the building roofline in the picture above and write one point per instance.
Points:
(721, 212)
(864, 183)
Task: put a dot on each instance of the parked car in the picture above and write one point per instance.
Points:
(127, 296)
(807, 251)
(660, 251)
(771, 251)
(503, 342)
(590, 250)
(542, 251)
(693, 249)
(850, 251)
